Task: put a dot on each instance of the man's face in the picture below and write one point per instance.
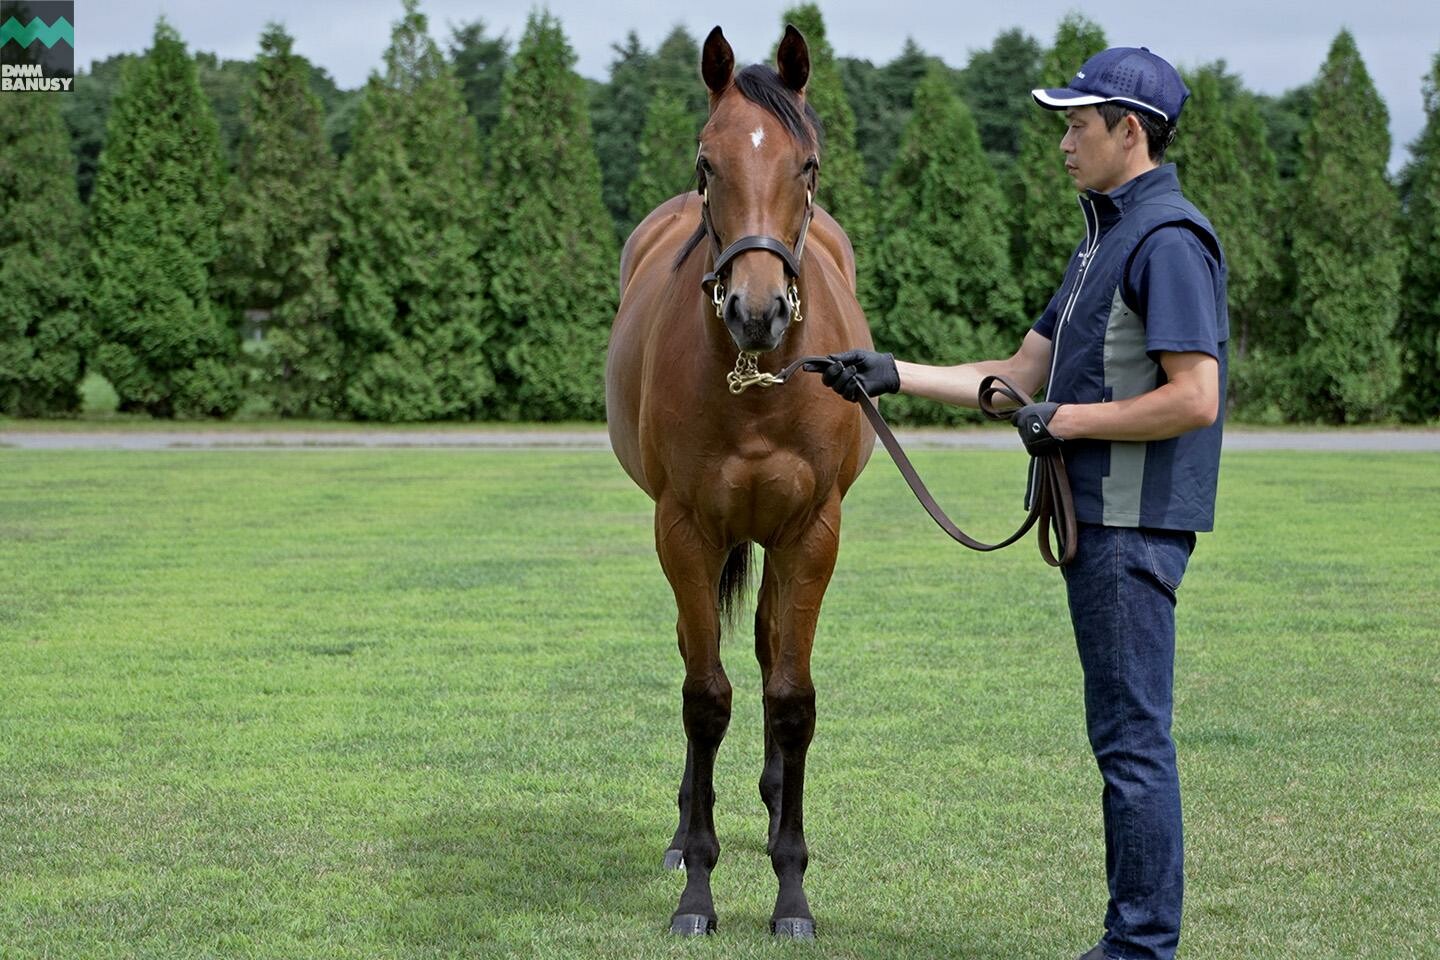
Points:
(1094, 157)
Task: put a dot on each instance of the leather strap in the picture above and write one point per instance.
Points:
(1050, 503)
(722, 258)
(755, 242)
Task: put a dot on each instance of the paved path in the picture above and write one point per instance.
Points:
(997, 438)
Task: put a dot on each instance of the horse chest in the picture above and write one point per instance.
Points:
(754, 492)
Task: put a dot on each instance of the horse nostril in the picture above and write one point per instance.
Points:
(732, 309)
(778, 309)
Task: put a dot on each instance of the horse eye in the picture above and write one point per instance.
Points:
(811, 164)
(705, 167)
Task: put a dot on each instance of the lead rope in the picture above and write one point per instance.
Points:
(1051, 505)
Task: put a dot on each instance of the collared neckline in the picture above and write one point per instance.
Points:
(1113, 205)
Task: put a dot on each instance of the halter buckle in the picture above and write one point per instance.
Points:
(792, 297)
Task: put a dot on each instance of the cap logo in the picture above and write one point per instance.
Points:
(1081, 74)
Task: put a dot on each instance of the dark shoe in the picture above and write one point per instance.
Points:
(1094, 953)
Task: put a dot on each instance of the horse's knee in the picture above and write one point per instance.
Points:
(707, 708)
(792, 713)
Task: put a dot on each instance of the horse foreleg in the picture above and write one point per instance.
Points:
(767, 644)
(693, 568)
(802, 572)
(675, 853)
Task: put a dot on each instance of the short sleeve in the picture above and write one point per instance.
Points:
(1174, 283)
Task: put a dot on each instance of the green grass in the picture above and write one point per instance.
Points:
(371, 704)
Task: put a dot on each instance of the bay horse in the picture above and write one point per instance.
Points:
(728, 470)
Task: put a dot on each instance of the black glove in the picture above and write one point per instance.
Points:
(1033, 422)
(854, 371)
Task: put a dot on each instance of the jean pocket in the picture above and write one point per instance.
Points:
(1169, 553)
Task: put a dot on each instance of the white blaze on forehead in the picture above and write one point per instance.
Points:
(757, 137)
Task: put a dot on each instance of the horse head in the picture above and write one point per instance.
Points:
(757, 171)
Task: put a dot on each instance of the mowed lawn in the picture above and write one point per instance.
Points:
(368, 704)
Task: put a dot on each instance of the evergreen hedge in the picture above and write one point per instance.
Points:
(414, 335)
(43, 335)
(163, 342)
(550, 251)
(943, 285)
(278, 235)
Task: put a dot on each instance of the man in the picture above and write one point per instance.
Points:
(1132, 349)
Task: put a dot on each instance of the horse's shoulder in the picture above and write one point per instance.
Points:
(662, 232)
(828, 236)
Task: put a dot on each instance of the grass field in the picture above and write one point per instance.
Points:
(364, 704)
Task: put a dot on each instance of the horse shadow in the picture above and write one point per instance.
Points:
(470, 878)
(561, 876)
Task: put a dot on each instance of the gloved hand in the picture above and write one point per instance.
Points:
(1033, 422)
(854, 371)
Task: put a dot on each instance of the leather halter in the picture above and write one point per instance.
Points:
(722, 255)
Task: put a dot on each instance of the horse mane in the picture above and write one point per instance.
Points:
(762, 86)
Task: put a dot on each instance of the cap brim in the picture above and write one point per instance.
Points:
(1064, 98)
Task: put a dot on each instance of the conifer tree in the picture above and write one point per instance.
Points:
(1419, 328)
(1047, 224)
(677, 107)
(550, 252)
(675, 68)
(479, 62)
(225, 84)
(1228, 171)
(42, 333)
(1227, 168)
(1257, 287)
(278, 235)
(620, 108)
(411, 325)
(842, 191)
(996, 85)
(163, 342)
(1347, 264)
(944, 288)
(667, 155)
(882, 98)
(86, 110)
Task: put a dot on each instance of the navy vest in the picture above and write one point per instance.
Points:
(1099, 354)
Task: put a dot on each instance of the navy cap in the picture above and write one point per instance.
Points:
(1132, 76)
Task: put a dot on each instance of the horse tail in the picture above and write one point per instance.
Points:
(734, 578)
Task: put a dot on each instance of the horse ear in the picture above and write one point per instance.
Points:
(793, 59)
(717, 62)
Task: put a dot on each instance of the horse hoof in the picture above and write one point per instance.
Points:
(793, 928)
(692, 924)
(674, 859)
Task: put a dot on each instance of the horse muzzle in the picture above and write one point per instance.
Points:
(756, 324)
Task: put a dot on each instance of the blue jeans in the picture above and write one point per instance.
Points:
(1121, 587)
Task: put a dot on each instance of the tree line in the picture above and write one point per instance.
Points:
(442, 243)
